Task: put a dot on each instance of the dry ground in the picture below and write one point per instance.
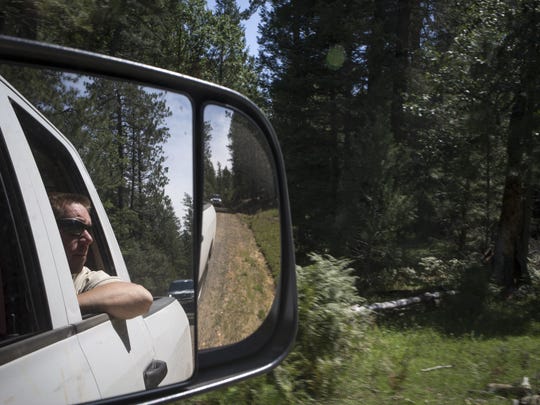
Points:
(238, 290)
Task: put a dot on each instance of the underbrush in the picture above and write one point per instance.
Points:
(427, 273)
(449, 352)
(446, 352)
(329, 335)
(424, 365)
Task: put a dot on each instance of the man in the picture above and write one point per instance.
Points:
(96, 290)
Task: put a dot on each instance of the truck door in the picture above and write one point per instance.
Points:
(36, 331)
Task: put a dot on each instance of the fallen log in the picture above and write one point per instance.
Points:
(436, 368)
(508, 390)
(428, 296)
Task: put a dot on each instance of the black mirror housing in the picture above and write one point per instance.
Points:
(272, 341)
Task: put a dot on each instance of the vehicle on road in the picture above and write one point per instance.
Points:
(216, 200)
(207, 241)
(184, 292)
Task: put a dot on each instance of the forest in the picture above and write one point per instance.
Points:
(121, 131)
(410, 129)
(420, 120)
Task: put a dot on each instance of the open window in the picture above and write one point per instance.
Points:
(60, 174)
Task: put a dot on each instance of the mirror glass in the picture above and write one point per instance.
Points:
(240, 251)
(136, 144)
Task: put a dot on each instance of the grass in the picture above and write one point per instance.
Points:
(391, 370)
(427, 354)
(436, 353)
(265, 227)
(472, 354)
(477, 337)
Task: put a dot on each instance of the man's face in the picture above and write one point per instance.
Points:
(76, 239)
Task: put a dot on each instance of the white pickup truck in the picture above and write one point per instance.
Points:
(41, 324)
(183, 290)
(208, 240)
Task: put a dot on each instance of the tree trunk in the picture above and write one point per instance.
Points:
(376, 53)
(511, 248)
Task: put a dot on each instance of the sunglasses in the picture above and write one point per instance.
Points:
(73, 226)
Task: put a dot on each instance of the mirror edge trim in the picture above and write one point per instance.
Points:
(260, 352)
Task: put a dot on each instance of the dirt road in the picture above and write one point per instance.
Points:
(238, 290)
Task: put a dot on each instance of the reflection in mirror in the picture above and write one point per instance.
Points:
(136, 143)
(240, 250)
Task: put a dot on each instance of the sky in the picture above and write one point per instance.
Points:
(178, 150)
(250, 25)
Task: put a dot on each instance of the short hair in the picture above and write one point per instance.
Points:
(59, 201)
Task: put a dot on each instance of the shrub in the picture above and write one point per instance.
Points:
(429, 272)
(329, 331)
(329, 335)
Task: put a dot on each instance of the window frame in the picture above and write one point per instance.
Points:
(53, 150)
(23, 250)
(41, 228)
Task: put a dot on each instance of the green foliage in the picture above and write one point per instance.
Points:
(399, 122)
(314, 111)
(391, 371)
(266, 230)
(224, 184)
(121, 142)
(249, 185)
(534, 261)
(329, 330)
(473, 337)
(119, 129)
(402, 149)
(252, 177)
(182, 35)
(329, 335)
(430, 271)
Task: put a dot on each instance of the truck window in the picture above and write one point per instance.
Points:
(59, 173)
(136, 144)
(23, 305)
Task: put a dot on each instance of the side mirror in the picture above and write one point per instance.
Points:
(189, 198)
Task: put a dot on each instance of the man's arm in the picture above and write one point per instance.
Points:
(119, 299)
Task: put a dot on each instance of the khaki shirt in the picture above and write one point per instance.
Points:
(87, 279)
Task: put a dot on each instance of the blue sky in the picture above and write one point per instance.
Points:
(250, 25)
(178, 151)
(179, 147)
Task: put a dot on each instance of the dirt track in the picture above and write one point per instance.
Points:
(238, 290)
